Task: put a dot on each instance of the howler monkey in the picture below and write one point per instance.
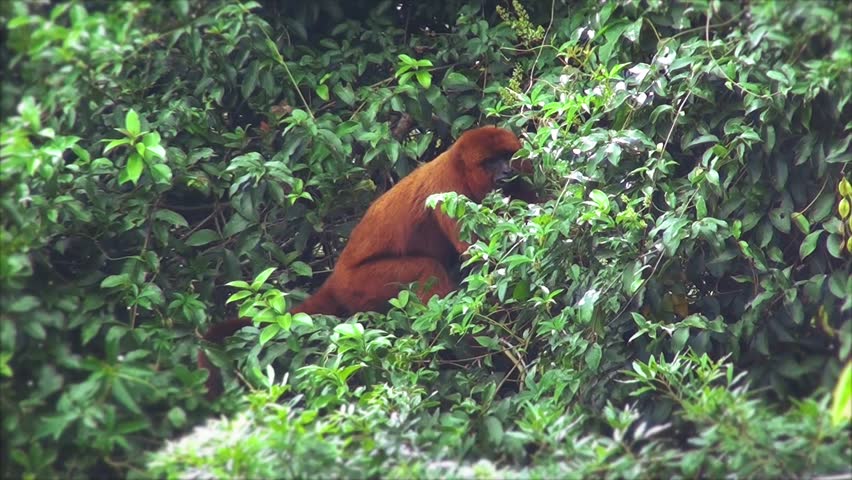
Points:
(399, 240)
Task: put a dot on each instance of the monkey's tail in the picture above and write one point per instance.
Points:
(216, 334)
(320, 303)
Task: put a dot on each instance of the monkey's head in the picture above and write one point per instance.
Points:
(485, 154)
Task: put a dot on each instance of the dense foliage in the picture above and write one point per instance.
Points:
(681, 306)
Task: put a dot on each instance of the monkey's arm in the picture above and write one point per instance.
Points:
(451, 230)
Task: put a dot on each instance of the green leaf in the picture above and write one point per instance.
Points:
(392, 150)
(405, 77)
(131, 123)
(277, 303)
(822, 207)
(121, 394)
(161, 173)
(835, 245)
(301, 269)
(5, 369)
(521, 292)
(593, 357)
(801, 222)
(35, 330)
(344, 93)
(777, 76)
(116, 143)
(238, 296)
(177, 417)
(631, 278)
(261, 278)
(151, 139)
(837, 283)
(457, 81)
(134, 167)
(284, 321)
(701, 139)
(494, 430)
(841, 398)
(171, 217)
(351, 330)
(462, 123)
(840, 152)
(586, 305)
(116, 281)
(782, 172)
(272, 49)
(679, 338)
(403, 298)
(24, 303)
(269, 332)
(781, 219)
(155, 151)
(303, 319)
(19, 22)
(322, 92)
(424, 78)
(30, 112)
(82, 154)
(236, 224)
(52, 425)
(490, 343)
(202, 237)
(601, 200)
(250, 79)
(700, 207)
(712, 177)
(809, 244)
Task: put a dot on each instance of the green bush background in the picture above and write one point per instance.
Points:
(680, 307)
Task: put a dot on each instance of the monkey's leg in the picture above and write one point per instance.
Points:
(368, 287)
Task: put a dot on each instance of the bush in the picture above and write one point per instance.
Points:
(392, 431)
(696, 152)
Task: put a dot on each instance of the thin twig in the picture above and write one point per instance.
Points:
(538, 55)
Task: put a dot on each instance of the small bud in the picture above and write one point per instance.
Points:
(843, 208)
(845, 188)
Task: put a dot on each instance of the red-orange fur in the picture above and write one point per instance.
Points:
(399, 240)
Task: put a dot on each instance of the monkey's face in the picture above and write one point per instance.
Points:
(491, 172)
(484, 154)
(500, 169)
